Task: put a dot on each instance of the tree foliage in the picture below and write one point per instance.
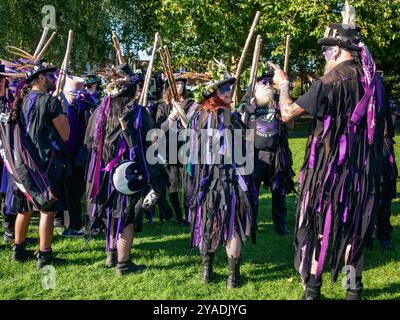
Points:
(196, 31)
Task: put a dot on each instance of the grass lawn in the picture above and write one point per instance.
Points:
(172, 273)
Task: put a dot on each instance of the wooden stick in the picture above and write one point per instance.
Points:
(255, 64)
(243, 57)
(117, 47)
(63, 74)
(143, 97)
(41, 42)
(287, 54)
(41, 53)
(166, 61)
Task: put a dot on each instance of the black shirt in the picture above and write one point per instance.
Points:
(36, 115)
(312, 101)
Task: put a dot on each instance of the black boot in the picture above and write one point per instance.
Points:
(8, 236)
(355, 293)
(44, 258)
(207, 272)
(313, 289)
(234, 272)
(112, 258)
(20, 254)
(127, 267)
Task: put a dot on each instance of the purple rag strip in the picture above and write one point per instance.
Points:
(311, 164)
(111, 165)
(342, 149)
(325, 241)
(366, 105)
(99, 133)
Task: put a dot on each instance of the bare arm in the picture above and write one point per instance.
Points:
(289, 109)
(62, 126)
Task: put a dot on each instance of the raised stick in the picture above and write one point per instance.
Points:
(243, 57)
(117, 47)
(41, 53)
(255, 64)
(287, 54)
(143, 97)
(63, 74)
(166, 61)
(41, 42)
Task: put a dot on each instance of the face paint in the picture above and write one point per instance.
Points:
(328, 53)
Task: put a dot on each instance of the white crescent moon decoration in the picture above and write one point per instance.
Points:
(119, 178)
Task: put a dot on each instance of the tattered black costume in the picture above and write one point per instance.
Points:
(106, 201)
(222, 201)
(339, 180)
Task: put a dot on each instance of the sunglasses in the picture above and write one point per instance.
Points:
(266, 81)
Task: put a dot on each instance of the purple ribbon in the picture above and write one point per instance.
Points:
(111, 165)
(367, 102)
(97, 169)
(342, 149)
(325, 241)
(312, 154)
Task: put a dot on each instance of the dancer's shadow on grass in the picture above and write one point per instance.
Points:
(372, 294)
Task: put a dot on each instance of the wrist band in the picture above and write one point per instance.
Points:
(284, 83)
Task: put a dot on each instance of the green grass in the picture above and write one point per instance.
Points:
(172, 273)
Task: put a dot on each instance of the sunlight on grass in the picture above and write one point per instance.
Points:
(173, 273)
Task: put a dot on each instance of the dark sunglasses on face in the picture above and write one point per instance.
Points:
(266, 81)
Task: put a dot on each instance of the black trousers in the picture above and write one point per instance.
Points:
(74, 191)
(279, 208)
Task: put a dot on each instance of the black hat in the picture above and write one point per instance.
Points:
(266, 75)
(343, 35)
(124, 70)
(212, 89)
(40, 67)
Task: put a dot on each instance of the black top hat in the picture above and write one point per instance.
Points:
(212, 89)
(123, 70)
(343, 35)
(40, 67)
